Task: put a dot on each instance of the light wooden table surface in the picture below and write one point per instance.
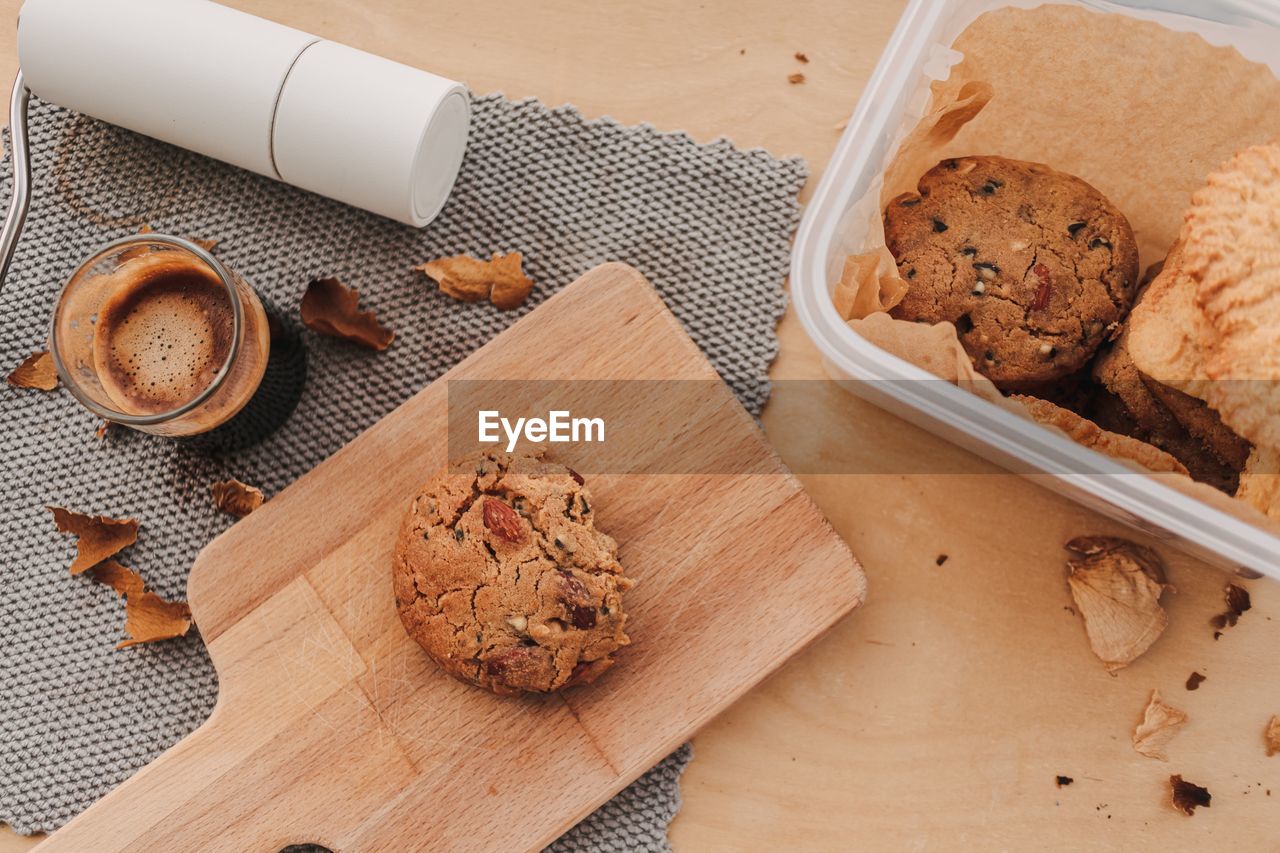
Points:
(939, 715)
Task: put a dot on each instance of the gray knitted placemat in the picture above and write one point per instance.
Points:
(709, 225)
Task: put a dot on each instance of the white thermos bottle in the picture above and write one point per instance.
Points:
(340, 122)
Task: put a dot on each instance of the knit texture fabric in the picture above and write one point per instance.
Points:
(709, 225)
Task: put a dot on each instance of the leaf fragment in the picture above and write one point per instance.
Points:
(331, 308)
(795, 79)
(36, 371)
(1271, 735)
(148, 618)
(236, 498)
(1117, 586)
(1160, 722)
(99, 537)
(124, 580)
(499, 279)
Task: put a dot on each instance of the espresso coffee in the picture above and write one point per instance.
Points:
(163, 335)
(153, 333)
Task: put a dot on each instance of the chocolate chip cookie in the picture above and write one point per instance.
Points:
(502, 577)
(1033, 266)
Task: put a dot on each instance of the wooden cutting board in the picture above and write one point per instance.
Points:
(333, 727)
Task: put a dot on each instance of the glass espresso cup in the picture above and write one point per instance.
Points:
(154, 333)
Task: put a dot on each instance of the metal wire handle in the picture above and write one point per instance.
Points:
(21, 200)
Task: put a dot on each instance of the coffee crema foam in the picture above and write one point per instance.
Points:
(164, 334)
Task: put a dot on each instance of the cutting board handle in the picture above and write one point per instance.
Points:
(193, 798)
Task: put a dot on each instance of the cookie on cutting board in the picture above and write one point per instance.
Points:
(502, 577)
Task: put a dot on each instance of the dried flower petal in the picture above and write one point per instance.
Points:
(236, 498)
(1238, 602)
(331, 308)
(124, 580)
(1160, 722)
(795, 79)
(99, 537)
(1188, 795)
(1117, 586)
(148, 618)
(499, 279)
(1272, 735)
(36, 371)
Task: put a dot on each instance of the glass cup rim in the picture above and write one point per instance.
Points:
(237, 314)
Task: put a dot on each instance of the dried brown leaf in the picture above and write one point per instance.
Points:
(99, 537)
(36, 371)
(1160, 722)
(236, 498)
(1271, 735)
(1187, 796)
(148, 618)
(331, 308)
(499, 279)
(124, 580)
(1238, 602)
(800, 57)
(1117, 585)
(795, 79)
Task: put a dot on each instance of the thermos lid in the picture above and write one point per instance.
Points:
(370, 132)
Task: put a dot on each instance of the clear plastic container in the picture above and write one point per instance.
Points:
(834, 226)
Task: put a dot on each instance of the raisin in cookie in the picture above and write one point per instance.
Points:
(1034, 267)
(501, 576)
